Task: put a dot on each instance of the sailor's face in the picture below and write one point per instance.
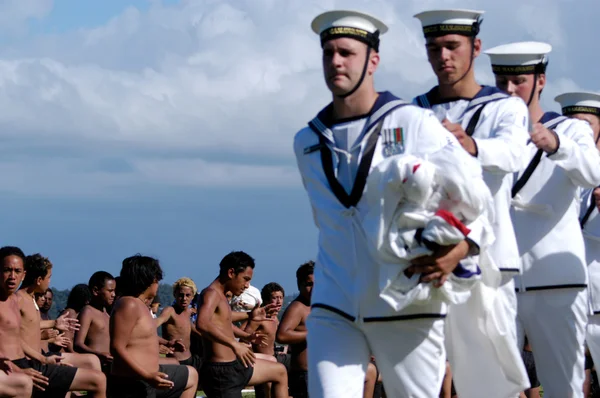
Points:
(516, 86)
(593, 120)
(343, 63)
(450, 56)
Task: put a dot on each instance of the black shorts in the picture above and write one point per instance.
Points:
(59, 377)
(530, 367)
(298, 383)
(225, 379)
(284, 359)
(194, 361)
(50, 353)
(589, 362)
(127, 387)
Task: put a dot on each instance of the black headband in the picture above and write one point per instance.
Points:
(570, 110)
(335, 32)
(515, 70)
(451, 29)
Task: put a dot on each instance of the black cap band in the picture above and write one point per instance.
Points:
(335, 32)
(571, 110)
(515, 70)
(451, 29)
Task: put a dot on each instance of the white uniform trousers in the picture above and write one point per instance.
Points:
(592, 337)
(410, 355)
(555, 324)
(478, 367)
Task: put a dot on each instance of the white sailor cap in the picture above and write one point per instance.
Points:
(450, 22)
(579, 102)
(356, 25)
(522, 58)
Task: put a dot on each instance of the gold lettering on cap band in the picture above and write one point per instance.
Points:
(570, 110)
(344, 30)
(513, 70)
(447, 29)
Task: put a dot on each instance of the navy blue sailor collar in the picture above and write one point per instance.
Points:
(384, 104)
(486, 94)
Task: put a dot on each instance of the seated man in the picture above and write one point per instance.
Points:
(134, 342)
(230, 365)
(47, 377)
(93, 336)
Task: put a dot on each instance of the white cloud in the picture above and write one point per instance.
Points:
(238, 77)
(14, 13)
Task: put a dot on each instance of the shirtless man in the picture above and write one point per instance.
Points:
(93, 336)
(37, 278)
(272, 293)
(176, 323)
(230, 365)
(136, 371)
(292, 331)
(79, 297)
(47, 377)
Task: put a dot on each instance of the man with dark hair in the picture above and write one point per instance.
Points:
(230, 365)
(78, 298)
(47, 377)
(292, 330)
(93, 336)
(38, 273)
(134, 342)
(272, 293)
(563, 160)
(492, 127)
(47, 306)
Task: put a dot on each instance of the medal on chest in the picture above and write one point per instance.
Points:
(393, 141)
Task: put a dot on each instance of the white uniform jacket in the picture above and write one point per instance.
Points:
(590, 224)
(346, 274)
(545, 211)
(498, 124)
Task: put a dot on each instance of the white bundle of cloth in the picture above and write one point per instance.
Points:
(416, 204)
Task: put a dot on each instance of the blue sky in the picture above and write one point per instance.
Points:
(165, 127)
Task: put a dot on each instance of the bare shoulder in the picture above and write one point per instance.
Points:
(69, 312)
(127, 305)
(209, 295)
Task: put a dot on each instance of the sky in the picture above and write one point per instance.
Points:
(165, 127)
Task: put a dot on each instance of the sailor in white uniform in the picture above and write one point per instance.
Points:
(586, 106)
(335, 154)
(552, 291)
(492, 127)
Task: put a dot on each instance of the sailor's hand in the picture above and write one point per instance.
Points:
(544, 139)
(244, 354)
(463, 138)
(596, 194)
(439, 264)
